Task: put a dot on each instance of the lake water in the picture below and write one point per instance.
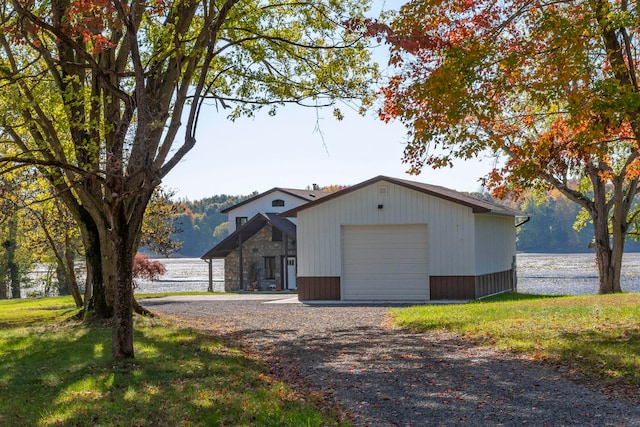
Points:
(185, 275)
(570, 274)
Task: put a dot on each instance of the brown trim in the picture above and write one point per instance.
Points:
(494, 283)
(318, 288)
(452, 287)
(470, 287)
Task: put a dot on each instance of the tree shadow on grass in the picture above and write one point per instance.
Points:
(516, 296)
(610, 354)
(67, 377)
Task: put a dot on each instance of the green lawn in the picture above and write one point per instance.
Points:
(55, 371)
(597, 335)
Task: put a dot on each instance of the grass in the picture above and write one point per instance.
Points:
(21, 312)
(596, 335)
(55, 372)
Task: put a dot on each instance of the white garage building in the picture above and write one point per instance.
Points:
(389, 239)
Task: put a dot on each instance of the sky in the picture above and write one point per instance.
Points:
(299, 147)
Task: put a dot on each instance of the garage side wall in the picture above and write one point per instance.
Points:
(495, 249)
(451, 238)
(495, 254)
(495, 243)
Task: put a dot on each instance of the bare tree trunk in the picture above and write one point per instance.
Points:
(137, 308)
(72, 279)
(65, 268)
(95, 294)
(119, 257)
(14, 273)
(63, 287)
(608, 262)
(608, 251)
(120, 245)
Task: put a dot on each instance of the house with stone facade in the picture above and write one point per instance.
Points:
(260, 251)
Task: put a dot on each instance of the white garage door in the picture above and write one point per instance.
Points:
(385, 263)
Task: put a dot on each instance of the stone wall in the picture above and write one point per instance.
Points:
(253, 252)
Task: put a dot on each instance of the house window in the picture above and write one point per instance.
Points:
(269, 267)
(240, 221)
(277, 203)
(276, 235)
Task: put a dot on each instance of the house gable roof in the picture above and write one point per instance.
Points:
(244, 233)
(476, 205)
(307, 195)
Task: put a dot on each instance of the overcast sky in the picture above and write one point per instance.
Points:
(299, 147)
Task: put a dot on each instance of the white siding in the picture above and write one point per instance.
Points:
(450, 239)
(263, 204)
(495, 243)
(385, 263)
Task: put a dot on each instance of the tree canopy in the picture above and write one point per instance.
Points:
(552, 85)
(104, 97)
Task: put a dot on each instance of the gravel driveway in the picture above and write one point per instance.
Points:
(380, 376)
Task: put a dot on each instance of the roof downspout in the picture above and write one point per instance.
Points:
(523, 222)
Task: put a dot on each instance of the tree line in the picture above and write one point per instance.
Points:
(200, 225)
(557, 225)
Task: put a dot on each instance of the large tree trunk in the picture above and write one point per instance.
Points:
(118, 269)
(95, 294)
(609, 262)
(609, 250)
(120, 244)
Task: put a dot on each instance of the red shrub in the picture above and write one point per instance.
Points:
(145, 268)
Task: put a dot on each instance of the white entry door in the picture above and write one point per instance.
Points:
(291, 272)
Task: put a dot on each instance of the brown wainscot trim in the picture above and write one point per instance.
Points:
(494, 283)
(470, 287)
(452, 287)
(318, 288)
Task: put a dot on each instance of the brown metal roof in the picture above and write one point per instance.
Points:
(308, 195)
(255, 224)
(476, 205)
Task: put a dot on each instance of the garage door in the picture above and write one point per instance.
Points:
(385, 263)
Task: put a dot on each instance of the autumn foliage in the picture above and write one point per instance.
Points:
(146, 268)
(550, 87)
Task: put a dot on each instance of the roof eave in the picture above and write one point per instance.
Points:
(475, 207)
(248, 230)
